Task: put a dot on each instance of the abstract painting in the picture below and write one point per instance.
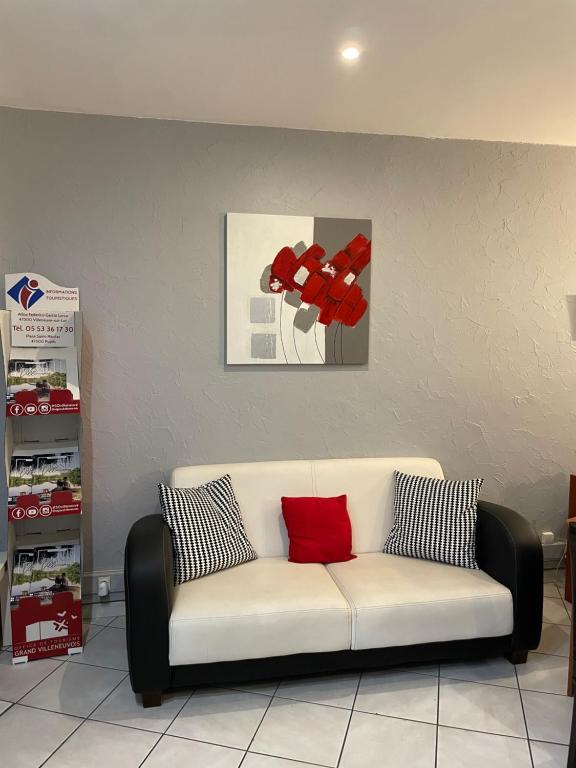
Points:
(298, 290)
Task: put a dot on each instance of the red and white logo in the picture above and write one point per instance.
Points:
(45, 510)
(16, 409)
(44, 408)
(30, 409)
(18, 513)
(32, 512)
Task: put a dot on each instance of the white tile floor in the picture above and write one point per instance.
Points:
(81, 712)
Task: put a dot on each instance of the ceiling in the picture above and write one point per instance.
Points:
(473, 69)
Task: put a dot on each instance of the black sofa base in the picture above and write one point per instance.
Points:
(302, 664)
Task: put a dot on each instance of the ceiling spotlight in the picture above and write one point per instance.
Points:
(351, 53)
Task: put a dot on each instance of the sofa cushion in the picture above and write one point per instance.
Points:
(401, 601)
(368, 484)
(435, 519)
(319, 529)
(267, 607)
(206, 526)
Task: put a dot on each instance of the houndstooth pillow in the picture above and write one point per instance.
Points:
(435, 519)
(207, 530)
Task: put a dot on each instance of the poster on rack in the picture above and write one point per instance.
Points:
(44, 481)
(44, 570)
(41, 629)
(45, 601)
(42, 382)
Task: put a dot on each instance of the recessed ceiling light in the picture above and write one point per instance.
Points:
(351, 53)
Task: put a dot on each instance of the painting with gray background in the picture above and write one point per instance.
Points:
(298, 290)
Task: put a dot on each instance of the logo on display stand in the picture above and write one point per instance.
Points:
(41, 312)
(29, 291)
(26, 292)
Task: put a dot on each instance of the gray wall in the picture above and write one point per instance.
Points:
(473, 258)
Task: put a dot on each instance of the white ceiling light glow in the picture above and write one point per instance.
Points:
(350, 53)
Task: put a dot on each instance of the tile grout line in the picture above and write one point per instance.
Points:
(87, 620)
(259, 724)
(452, 727)
(158, 740)
(524, 718)
(67, 714)
(288, 759)
(46, 676)
(89, 715)
(165, 731)
(98, 666)
(82, 722)
(349, 721)
(186, 700)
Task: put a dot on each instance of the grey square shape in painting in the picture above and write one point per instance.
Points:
(263, 346)
(262, 310)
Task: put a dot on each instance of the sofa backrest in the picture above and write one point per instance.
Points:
(368, 483)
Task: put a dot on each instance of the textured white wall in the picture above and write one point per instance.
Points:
(471, 355)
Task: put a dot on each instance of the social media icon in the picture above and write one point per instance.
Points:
(32, 512)
(44, 408)
(18, 513)
(30, 409)
(45, 510)
(16, 409)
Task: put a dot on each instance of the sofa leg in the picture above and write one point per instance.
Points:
(152, 699)
(517, 657)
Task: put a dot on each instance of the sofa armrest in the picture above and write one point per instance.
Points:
(509, 550)
(148, 579)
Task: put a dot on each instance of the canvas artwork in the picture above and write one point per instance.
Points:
(298, 290)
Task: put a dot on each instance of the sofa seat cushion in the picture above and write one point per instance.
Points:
(266, 607)
(402, 601)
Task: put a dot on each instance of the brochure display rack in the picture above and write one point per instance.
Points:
(41, 332)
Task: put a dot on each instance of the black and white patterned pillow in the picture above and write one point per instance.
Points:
(207, 530)
(435, 519)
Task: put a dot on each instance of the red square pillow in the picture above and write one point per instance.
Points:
(319, 529)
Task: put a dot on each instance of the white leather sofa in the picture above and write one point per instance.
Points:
(270, 617)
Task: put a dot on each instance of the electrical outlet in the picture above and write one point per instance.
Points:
(103, 586)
